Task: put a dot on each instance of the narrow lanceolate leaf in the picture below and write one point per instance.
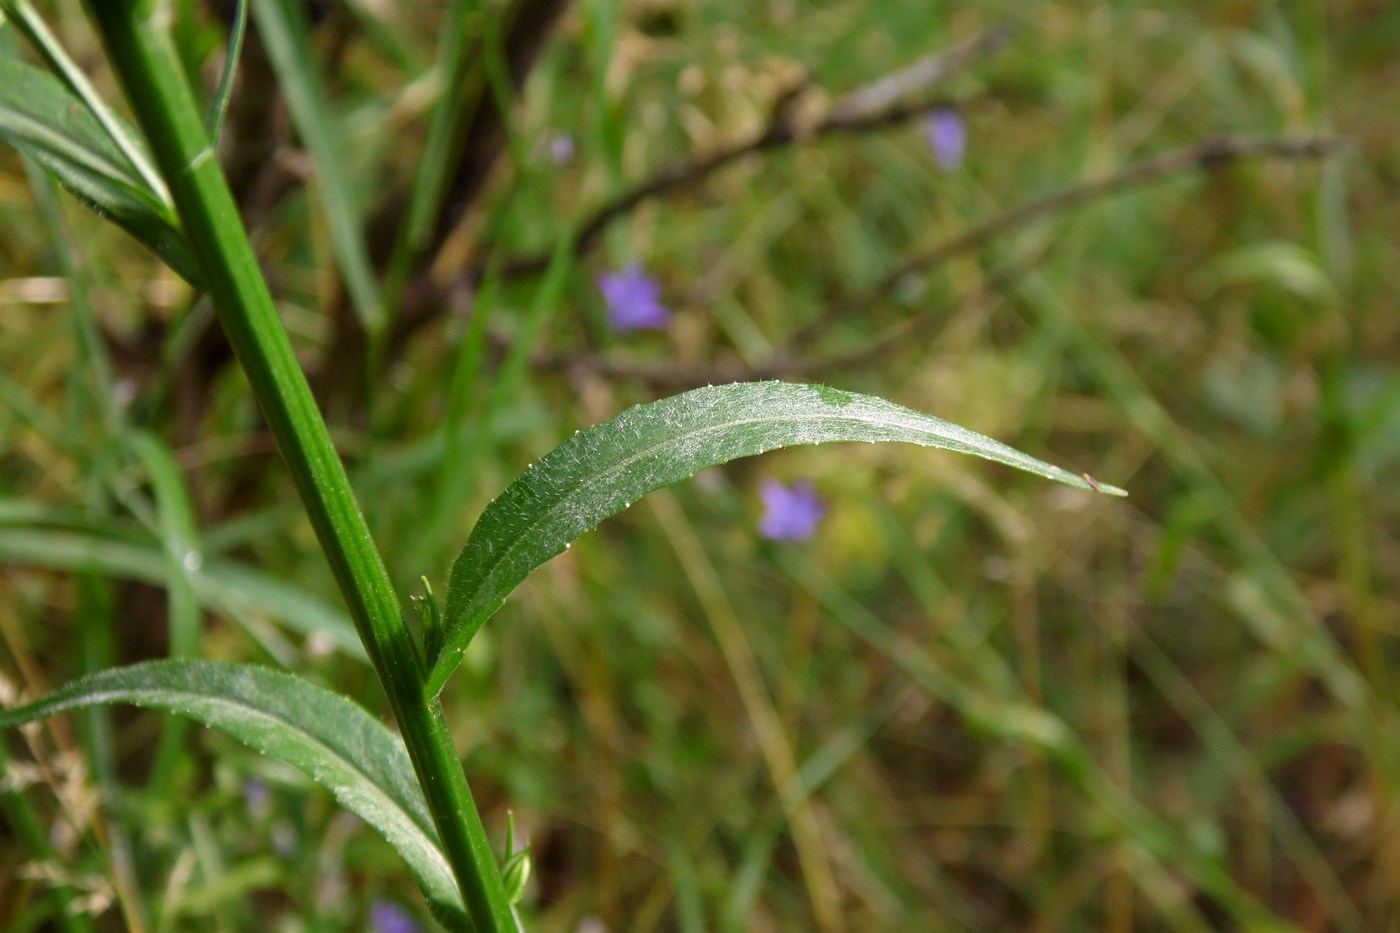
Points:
(325, 736)
(75, 79)
(599, 472)
(41, 118)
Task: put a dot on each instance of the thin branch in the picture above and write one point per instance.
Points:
(909, 331)
(1211, 154)
(788, 360)
(425, 300)
(873, 107)
(886, 92)
(915, 329)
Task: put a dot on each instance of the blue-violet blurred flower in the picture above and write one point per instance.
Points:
(947, 137)
(790, 513)
(388, 917)
(634, 300)
(561, 148)
(257, 796)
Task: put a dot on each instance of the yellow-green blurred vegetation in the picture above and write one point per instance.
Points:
(973, 700)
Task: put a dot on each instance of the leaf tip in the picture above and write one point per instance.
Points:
(1105, 488)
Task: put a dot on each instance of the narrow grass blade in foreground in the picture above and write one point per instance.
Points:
(325, 736)
(284, 31)
(218, 106)
(241, 592)
(601, 471)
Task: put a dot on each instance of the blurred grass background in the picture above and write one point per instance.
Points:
(973, 700)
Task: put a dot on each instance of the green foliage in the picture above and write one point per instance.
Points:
(588, 479)
(970, 701)
(42, 119)
(284, 30)
(218, 107)
(320, 733)
(603, 470)
(64, 541)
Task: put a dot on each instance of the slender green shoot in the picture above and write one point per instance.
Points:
(214, 121)
(154, 82)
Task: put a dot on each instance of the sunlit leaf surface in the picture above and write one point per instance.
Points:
(601, 471)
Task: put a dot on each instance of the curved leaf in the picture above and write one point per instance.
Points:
(45, 121)
(322, 734)
(599, 472)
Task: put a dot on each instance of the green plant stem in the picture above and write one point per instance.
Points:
(133, 35)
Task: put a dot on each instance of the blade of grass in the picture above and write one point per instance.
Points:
(607, 130)
(818, 768)
(95, 627)
(240, 593)
(458, 470)
(1307, 642)
(1217, 734)
(461, 22)
(179, 537)
(1011, 719)
(386, 35)
(94, 392)
(497, 71)
(284, 30)
(773, 741)
(97, 634)
(1239, 762)
(464, 441)
(214, 121)
(175, 509)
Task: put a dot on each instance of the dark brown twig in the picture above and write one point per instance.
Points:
(884, 93)
(913, 330)
(873, 107)
(425, 300)
(788, 360)
(1211, 154)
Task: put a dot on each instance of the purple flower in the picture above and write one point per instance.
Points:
(388, 917)
(555, 146)
(561, 148)
(634, 300)
(257, 796)
(790, 513)
(946, 133)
